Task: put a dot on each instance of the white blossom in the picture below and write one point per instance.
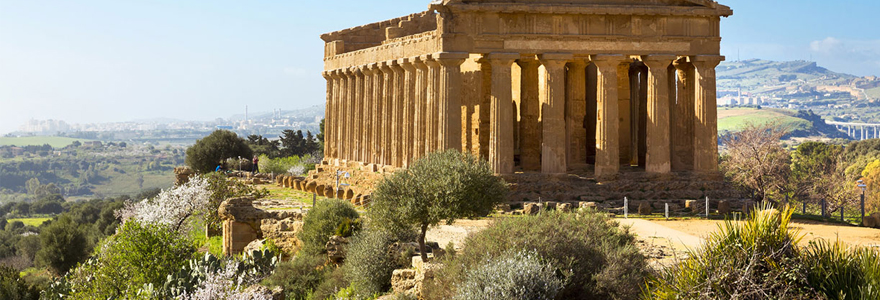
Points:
(172, 206)
(224, 284)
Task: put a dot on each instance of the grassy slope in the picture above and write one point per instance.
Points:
(873, 93)
(54, 141)
(732, 119)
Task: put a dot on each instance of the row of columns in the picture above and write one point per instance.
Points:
(861, 132)
(394, 112)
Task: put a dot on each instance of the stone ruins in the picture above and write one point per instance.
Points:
(571, 91)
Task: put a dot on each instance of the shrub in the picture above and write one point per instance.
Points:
(62, 245)
(204, 155)
(138, 255)
(13, 287)
(602, 258)
(835, 269)
(369, 262)
(754, 259)
(332, 284)
(440, 187)
(514, 275)
(300, 276)
(322, 221)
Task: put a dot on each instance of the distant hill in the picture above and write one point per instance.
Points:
(801, 124)
(800, 85)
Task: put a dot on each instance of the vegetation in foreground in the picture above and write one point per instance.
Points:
(760, 259)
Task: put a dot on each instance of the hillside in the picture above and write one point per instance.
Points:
(799, 85)
(799, 123)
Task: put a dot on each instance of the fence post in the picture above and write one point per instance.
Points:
(805, 207)
(314, 200)
(841, 212)
(707, 207)
(823, 208)
(625, 208)
(667, 211)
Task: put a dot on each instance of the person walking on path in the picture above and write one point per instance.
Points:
(256, 164)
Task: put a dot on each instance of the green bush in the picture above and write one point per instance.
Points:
(207, 152)
(602, 258)
(332, 284)
(138, 255)
(62, 245)
(758, 258)
(514, 275)
(13, 287)
(369, 262)
(300, 276)
(283, 165)
(322, 222)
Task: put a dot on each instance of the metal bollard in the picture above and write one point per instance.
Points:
(625, 208)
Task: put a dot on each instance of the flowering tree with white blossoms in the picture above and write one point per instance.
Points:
(172, 207)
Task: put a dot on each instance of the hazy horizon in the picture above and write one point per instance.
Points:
(96, 61)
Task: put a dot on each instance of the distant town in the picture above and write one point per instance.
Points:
(269, 124)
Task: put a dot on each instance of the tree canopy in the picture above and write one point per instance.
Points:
(440, 187)
(204, 155)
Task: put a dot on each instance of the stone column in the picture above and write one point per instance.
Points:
(357, 114)
(530, 129)
(337, 114)
(378, 99)
(397, 115)
(366, 149)
(450, 98)
(421, 108)
(706, 113)
(501, 113)
(682, 141)
(329, 117)
(575, 112)
(607, 135)
(345, 144)
(388, 109)
(658, 157)
(553, 150)
(409, 91)
(432, 134)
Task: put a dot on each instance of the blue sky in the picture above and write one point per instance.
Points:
(90, 61)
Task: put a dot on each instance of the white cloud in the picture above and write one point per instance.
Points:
(858, 57)
(826, 46)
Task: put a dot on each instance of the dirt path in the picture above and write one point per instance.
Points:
(811, 230)
(455, 233)
(662, 245)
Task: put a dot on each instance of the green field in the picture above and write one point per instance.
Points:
(873, 93)
(31, 221)
(54, 141)
(733, 119)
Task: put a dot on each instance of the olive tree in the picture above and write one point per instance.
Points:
(204, 155)
(442, 186)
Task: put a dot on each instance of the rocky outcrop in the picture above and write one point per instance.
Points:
(336, 248)
(410, 281)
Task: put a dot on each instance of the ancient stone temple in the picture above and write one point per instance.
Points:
(596, 88)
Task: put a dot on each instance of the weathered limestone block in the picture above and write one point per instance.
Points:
(328, 191)
(311, 186)
(587, 204)
(288, 182)
(695, 206)
(403, 280)
(869, 222)
(336, 248)
(723, 207)
(550, 205)
(645, 208)
(564, 207)
(298, 184)
(320, 190)
(279, 180)
(531, 208)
